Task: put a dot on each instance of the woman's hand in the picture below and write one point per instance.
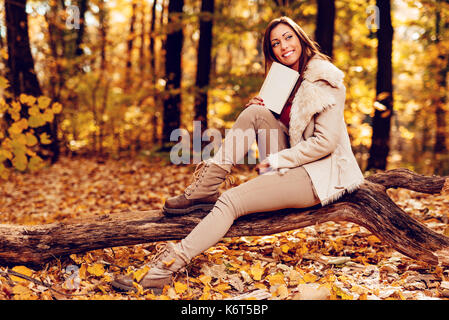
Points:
(256, 100)
(263, 167)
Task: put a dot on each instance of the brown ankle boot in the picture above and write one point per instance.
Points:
(202, 193)
(167, 260)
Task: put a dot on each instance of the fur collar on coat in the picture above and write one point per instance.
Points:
(310, 97)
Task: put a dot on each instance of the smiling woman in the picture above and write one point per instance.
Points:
(310, 159)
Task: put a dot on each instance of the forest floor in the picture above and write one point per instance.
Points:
(326, 261)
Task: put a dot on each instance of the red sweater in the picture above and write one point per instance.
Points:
(285, 114)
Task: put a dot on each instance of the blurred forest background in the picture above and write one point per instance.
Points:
(113, 78)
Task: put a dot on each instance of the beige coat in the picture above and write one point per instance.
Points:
(319, 138)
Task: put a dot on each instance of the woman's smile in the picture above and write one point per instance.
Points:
(286, 46)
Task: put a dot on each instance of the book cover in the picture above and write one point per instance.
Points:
(278, 86)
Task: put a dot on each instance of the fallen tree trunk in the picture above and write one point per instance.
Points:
(369, 207)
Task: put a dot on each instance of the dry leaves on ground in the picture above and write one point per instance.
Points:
(327, 261)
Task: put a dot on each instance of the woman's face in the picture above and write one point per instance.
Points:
(286, 45)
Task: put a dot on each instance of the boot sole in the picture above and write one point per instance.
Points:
(184, 211)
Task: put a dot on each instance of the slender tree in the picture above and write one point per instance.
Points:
(21, 74)
(380, 141)
(130, 44)
(440, 100)
(325, 21)
(173, 49)
(204, 61)
(82, 4)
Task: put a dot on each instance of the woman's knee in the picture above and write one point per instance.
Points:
(255, 111)
(228, 204)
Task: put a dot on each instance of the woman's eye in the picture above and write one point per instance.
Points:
(289, 37)
(275, 44)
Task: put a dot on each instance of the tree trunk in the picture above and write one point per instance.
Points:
(82, 4)
(172, 100)
(130, 43)
(369, 207)
(325, 21)
(21, 74)
(204, 62)
(442, 63)
(380, 141)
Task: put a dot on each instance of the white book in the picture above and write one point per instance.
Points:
(278, 86)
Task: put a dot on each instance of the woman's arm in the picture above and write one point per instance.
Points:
(323, 141)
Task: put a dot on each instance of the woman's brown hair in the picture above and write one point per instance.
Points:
(308, 46)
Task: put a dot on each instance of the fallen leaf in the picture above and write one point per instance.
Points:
(23, 270)
(180, 288)
(256, 271)
(97, 269)
(139, 274)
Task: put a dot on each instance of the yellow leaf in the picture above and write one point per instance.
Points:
(23, 270)
(281, 292)
(31, 139)
(4, 83)
(180, 288)
(20, 162)
(309, 277)
(23, 293)
(169, 263)
(45, 138)
(285, 248)
(277, 278)
(36, 121)
(97, 269)
(43, 102)
(27, 99)
(206, 293)
(205, 279)
(372, 239)
(4, 173)
(76, 259)
(294, 277)
(222, 287)
(34, 111)
(256, 271)
(6, 153)
(82, 271)
(56, 108)
(48, 115)
(139, 274)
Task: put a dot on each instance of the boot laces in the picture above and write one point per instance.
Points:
(161, 251)
(197, 175)
(230, 180)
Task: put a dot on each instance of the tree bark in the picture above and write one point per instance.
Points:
(204, 58)
(82, 4)
(442, 63)
(369, 207)
(175, 39)
(130, 44)
(380, 141)
(325, 21)
(21, 73)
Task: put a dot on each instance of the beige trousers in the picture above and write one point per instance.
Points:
(267, 192)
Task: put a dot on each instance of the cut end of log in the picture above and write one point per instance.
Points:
(443, 256)
(445, 189)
